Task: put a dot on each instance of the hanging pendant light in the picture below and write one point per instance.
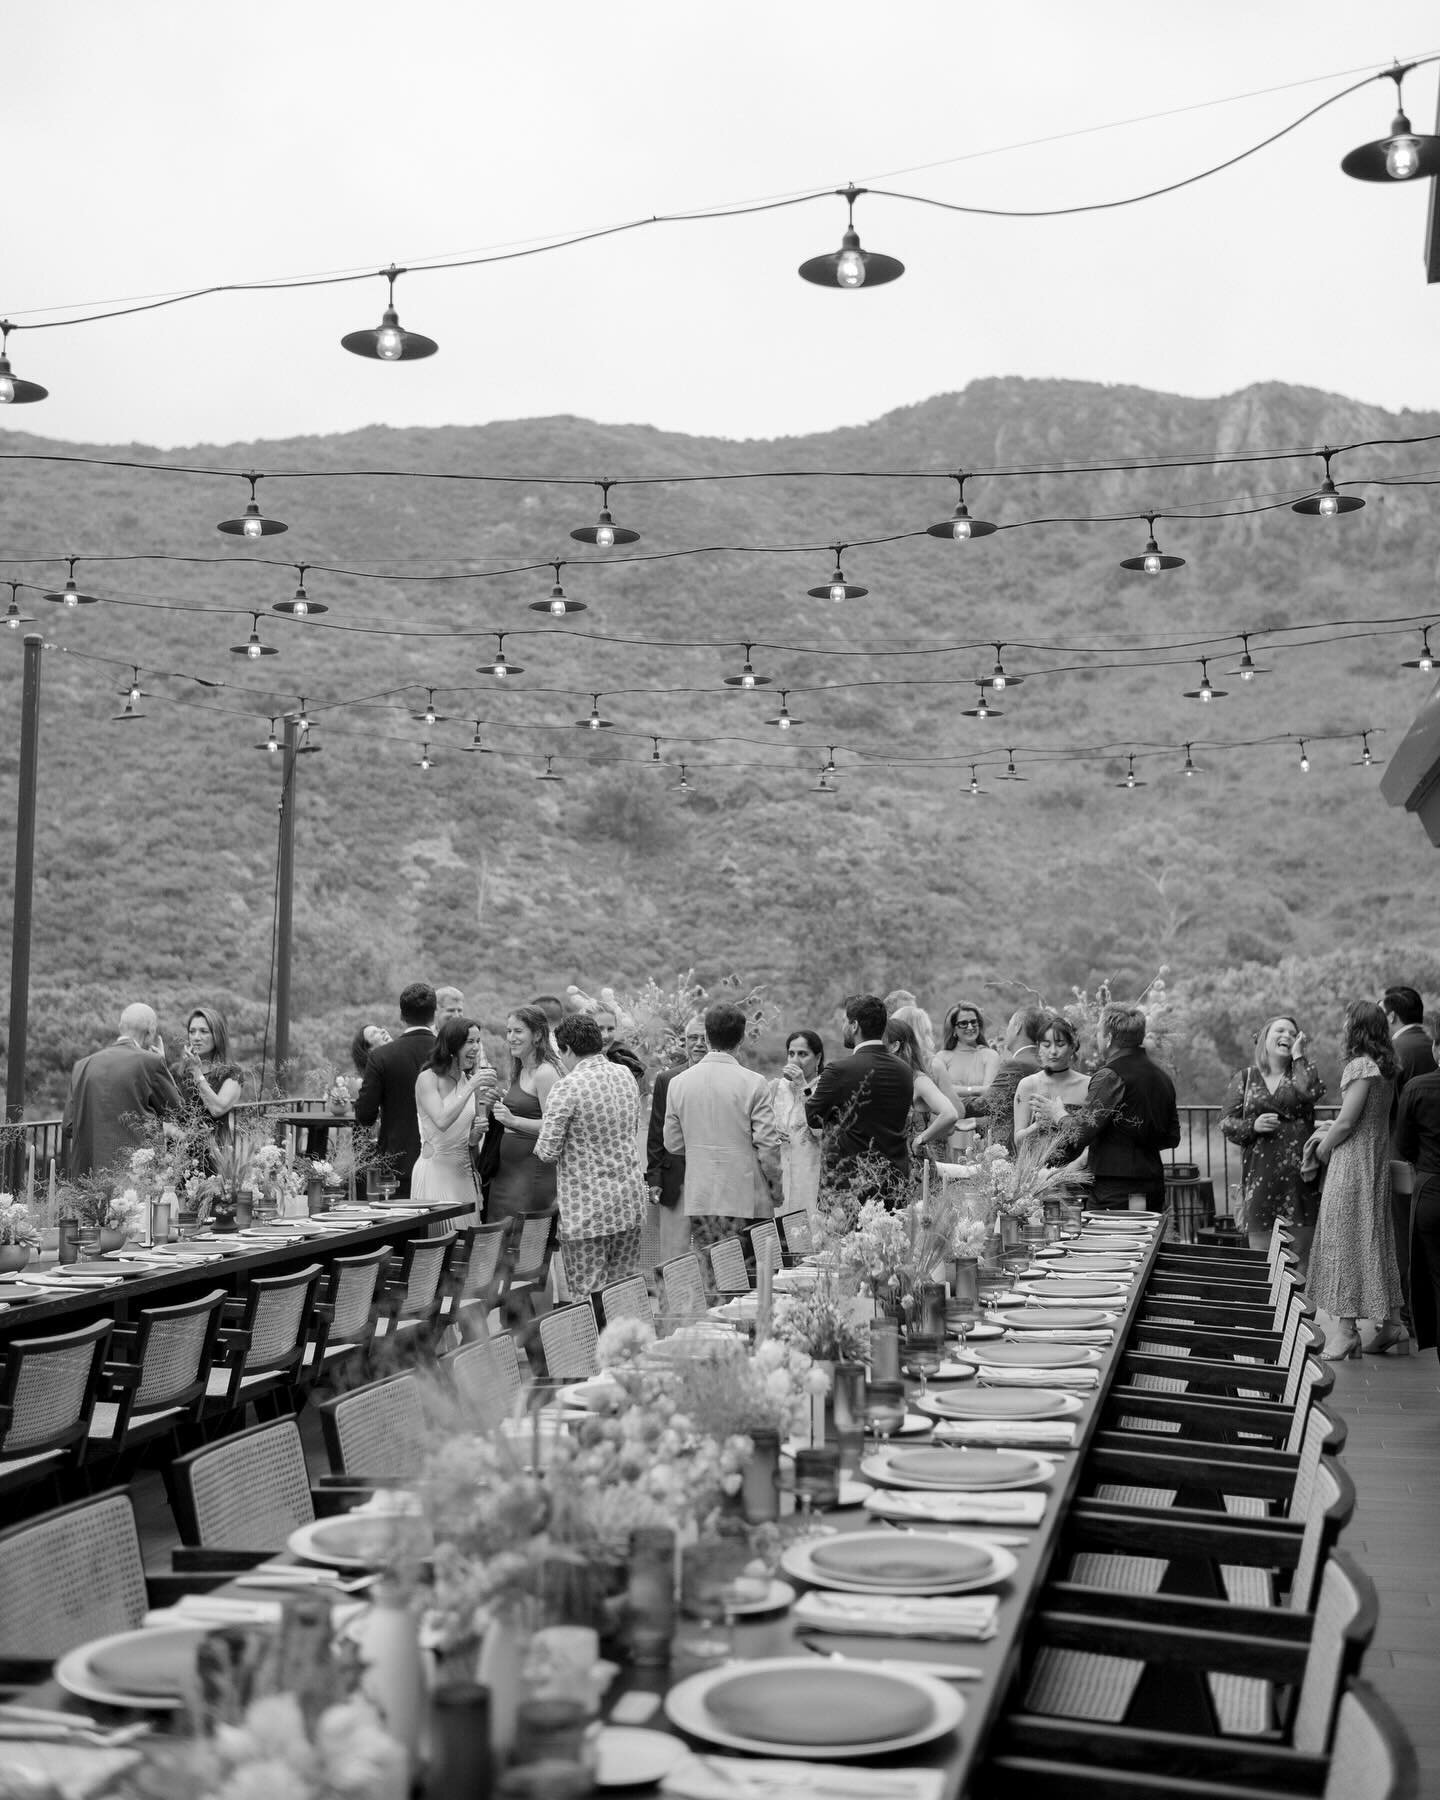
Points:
(1131, 779)
(1011, 773)
(70, 595)
(272, 743)
(1403, 155)
(747, 678)
(1205, 692)
(1247, 669)
(500, 667)
(682, 786)
(595, 722)
(1151, 560)
(252, 647)
(427, 761)
(14, 391)
(300, 605)
(1425, 662)
(252, 523)
(976, 791)
(999, 680)
(1327, 503)
(605, 533)
(982, 708)
(1366, 758)
(302, 720)
(850, 266)
(829, 768)
(1191, 766)
(557, 605)
(822, 786)
(548, 773)
(1304, 759)
(837, 588)
(429, 716)
(783, 720)
(655, 756)
(475, 744)
(388, 343)
(960, 526)
(132, 691)
(127, 711)
(14, 618)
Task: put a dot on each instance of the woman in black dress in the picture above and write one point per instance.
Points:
(1270, 1112)
(522, 1183)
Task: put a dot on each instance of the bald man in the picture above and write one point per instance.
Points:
(114, 1087)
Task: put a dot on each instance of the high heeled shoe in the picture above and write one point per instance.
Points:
(1341, 1346)
(1386, 1339)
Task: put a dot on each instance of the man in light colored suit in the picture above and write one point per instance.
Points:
(718, 1117)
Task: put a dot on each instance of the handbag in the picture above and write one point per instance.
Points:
(1402, 1176)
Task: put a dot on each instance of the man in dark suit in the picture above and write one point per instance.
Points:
(862, 1102)
(112, 1090)
(1022, 1058)
(665, 1169)
(1405, 1013)
(387, 1092)
(1128, 1118)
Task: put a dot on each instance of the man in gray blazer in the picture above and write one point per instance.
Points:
(112, 1089)
(718, 1117)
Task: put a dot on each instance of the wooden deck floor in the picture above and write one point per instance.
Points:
(1392, 1407)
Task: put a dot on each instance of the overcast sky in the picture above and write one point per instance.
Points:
(161, 145)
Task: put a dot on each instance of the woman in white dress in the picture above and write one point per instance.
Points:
(445, 1100)
(799, 1146)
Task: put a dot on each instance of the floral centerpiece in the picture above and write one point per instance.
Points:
(115, 1199)
(1022, 1183)
(823, 1323)
(892, 1253)
(17, 1229)
(276, 1180)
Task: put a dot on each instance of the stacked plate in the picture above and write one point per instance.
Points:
(1010, 1404)
(1052, 1318)
(1008, 1355)
(953, 1471)
(153, 1669)
(899, 1563)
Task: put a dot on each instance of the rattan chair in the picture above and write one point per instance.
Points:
(48, 1390)
(345, 1319)
(727, 1265)
(485, 1374)
(533, 1237)
(263, 1351)
(69, 1576)
(410, 1306)
(162, 1383)
(376, 1433)
(797, 1237)
(474, 1277)
(567, 1341)
(684, 1286)
(765, 1239)
(247, 1492)
(627, 1299)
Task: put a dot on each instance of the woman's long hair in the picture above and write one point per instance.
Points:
(1262, 1059)
(450, 1042)
(920, 1023)
(219, 1031)
(900, 1038)
(537, 1023)
(952, 1036)
(1367, 1033)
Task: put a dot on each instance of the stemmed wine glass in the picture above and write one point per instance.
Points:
(713, 1582)
(884, 1409)
(923, 1356)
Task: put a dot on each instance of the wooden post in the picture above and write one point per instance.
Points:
(24, 893)
(285, 903)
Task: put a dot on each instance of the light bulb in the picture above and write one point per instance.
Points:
(1247, 670)
(974, 785)
(982, 711)
(475, 743)
(1152, 562)
(557, 601)
(850, 266)
(1329, 505)
(253, 648)
(1304, 763)
(1207, 693)
(960, 528)
(1189, 766)
(12, 618)
(134, 694)
(655, 754)
(499, 668)
(7, 390)
(784, 720)
(594, 720)
(1427, 662)
(302, 724)
(1365, 756)
(300, 605)
(605, 536)
(71, 596)
(837, 590)
(424, 762)
(254, 527)
(997, 680)
(747, 679)
(429, 715)
(389, 342)
(1402, 158)
(1130, 779)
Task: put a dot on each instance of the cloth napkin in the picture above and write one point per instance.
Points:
(736, 1778)
(213, 1609)
(1098, 1334)
(1058, 1433)
(993, 1376)
(1014, 1506)
(899, 1615)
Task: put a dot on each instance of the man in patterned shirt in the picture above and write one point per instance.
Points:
(591, 1134)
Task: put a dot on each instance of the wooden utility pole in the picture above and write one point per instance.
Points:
(24, 893)
(285, 902)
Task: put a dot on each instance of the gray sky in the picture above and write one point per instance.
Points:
(161, 145)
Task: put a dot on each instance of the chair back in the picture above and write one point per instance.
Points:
(532, 1238)
(567, 1340)
(350, 1296)
(69, 1576)
(277, 1317)
(376, 1431)
(1345, 1616)
(765, 1240)
(1314, 1382)
(1332, 1502)
(727, 1263)
(420, 1271)
(248, 1491)
(1291, 1313)
(1323, 1432)
(1304, 1359)
(684, 1286)
(174, 1346)
(627, 1299)
(486, 1377)
(475, 1269)
(795, 1233)
(1372, 1758)
(47, 1393)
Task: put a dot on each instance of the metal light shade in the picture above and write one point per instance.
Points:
(595, 723)
(70, 595)
(747, 678)
(14, 391)
(253, 524)
(367, 343)
(301, 607)
(558, 605)
(128, 712)
(1415, 154)
(14, 618)
(1152, 561)
(971, 528)
(617, 534)
(838, 588)
(976, 712)
(825, 271)
(1328, 503)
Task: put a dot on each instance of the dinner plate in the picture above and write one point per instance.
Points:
(1074, 1287)
(807, 1707)
(630, 1756)
(57, 1279)
(1086, 1264)
(1020, 1405)
(597, 1393)
(892, 1561)
(13, 1295)
(777, 1596)
(1036, 1355)
(957, 1371)
(1107, 1243)
(1053, 1318)
(355, 1540)
(146, 1669)
(947, 1469)
(796, 1560)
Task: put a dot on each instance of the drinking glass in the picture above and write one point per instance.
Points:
(713, 1583)
(923, 1355)
(884, 1409)
(816, 1479)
